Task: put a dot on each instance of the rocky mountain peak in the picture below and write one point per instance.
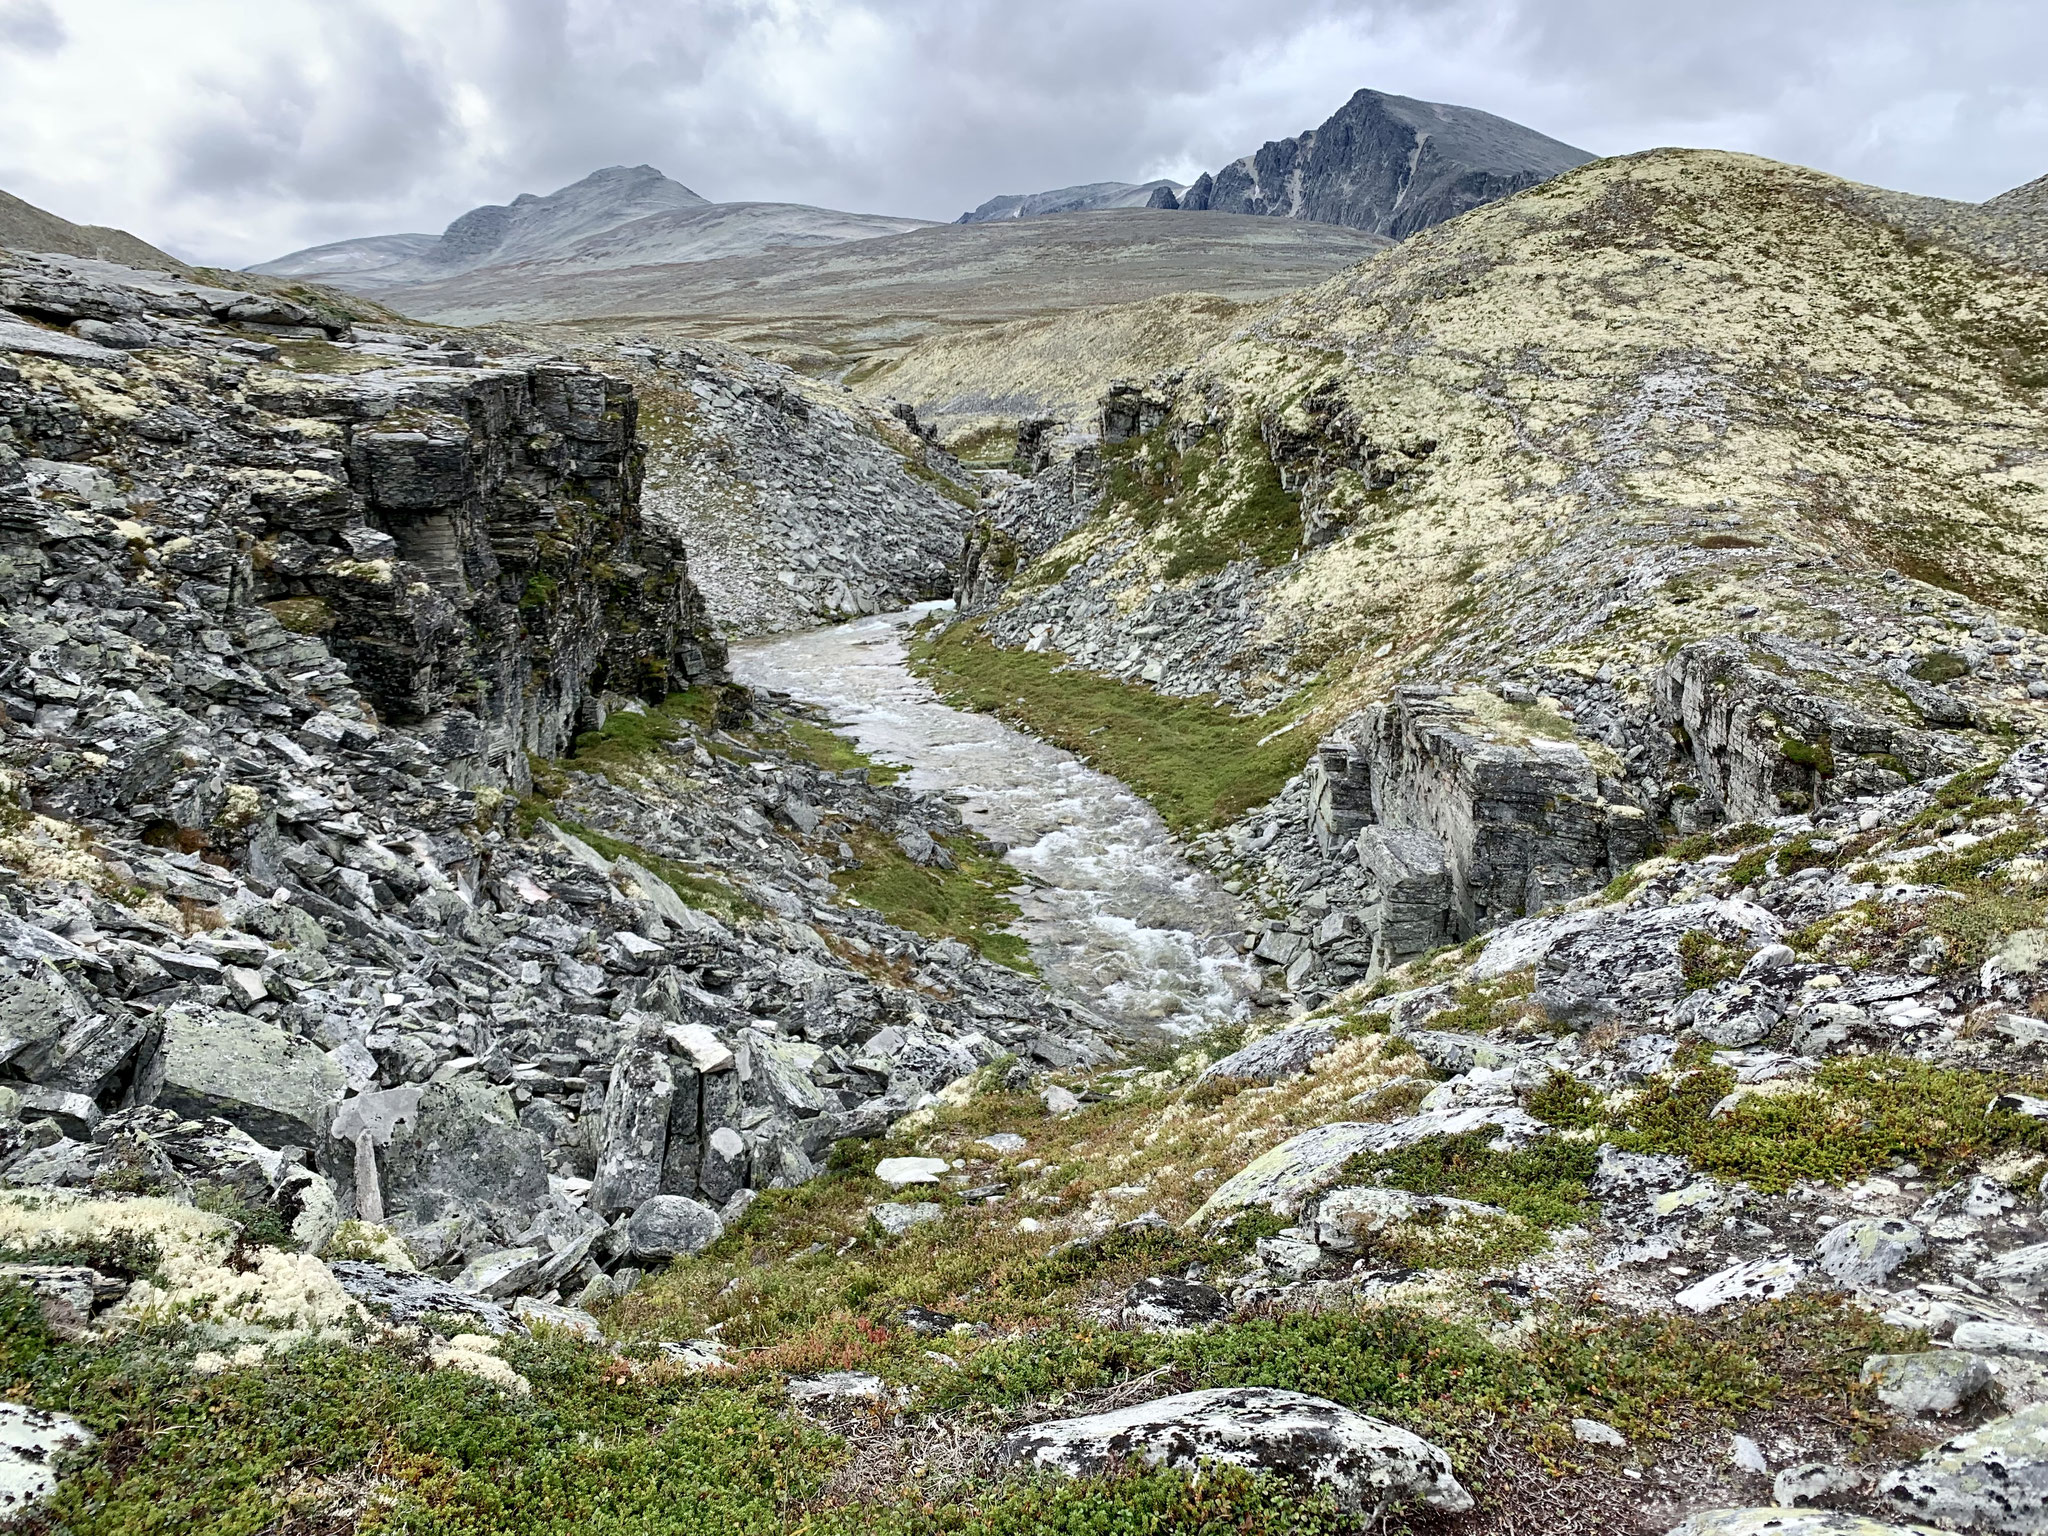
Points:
(1388, 164)
(531, 226)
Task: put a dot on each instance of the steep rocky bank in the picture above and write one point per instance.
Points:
(296, 614)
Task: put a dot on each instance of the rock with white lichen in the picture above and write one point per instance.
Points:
(1361, 1462)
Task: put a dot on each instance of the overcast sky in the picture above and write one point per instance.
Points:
(231, 131)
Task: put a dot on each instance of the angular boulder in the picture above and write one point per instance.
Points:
(1273, 1058)
(634, 1139)
(280, 1088)
(1992, 1478)
(465, 1155)
(1363, 1463)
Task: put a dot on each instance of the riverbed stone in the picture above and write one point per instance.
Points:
(1362, 1462)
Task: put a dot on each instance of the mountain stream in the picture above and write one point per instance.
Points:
(1117, 919)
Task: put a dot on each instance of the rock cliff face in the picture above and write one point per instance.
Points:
(465, 540)
(1386, 164)
(289, 610)
(1460, 830)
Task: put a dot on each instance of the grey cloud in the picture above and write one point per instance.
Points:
(32, 27)
(928, 107)
(273, 131)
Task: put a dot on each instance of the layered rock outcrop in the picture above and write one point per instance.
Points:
(288, 612)
(1459, 829)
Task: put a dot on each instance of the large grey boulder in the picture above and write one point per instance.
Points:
(1364, 1463)
(1992, 1478)
(280, 1088)
(466, 1155)
(1271, 1058)
(634, 1139)
(1303, 1165)
(1627, 964)
(671, 1226)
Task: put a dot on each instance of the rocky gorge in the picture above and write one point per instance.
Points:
(481, 1052)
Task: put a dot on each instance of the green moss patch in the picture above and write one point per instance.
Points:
(969, 902)
(1859, 1115)
(1197, 762)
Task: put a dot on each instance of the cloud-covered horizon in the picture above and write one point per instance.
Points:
(229, 131)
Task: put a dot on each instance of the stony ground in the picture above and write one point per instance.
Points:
(467, 1067)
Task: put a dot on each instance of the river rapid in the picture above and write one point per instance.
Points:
(1117, 919)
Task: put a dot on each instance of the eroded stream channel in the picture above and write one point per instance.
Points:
(1116, 918)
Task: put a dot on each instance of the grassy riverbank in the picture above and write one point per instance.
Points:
(1197, 762)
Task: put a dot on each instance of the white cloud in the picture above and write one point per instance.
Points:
(234, 130)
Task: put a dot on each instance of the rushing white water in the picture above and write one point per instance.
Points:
(1117, 919)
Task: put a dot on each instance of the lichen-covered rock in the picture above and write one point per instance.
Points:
(1363, 1463)
(896, 1218)
(1171, 1304)
(1992, 1478)
(278, 1087)
(1790, 1522)
(1283, 1177)
(1862, 1253)
(1752, 1281)
(2021, 1273)
(466, 1158)
(405, 1296)
(31, 1439)
(671, 1226)
(1938, 1381)
(1628, 964)
(1271, 1058)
